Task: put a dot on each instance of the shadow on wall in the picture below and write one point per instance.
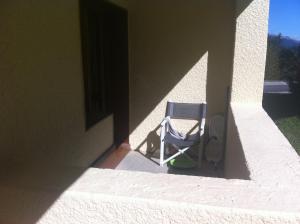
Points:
(241, 5)
(235, 161)
(179, 52)
(27, 195)
(167, 40)
(42, 133)
(153, 142)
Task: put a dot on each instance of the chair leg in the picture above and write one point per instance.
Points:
(162, 152)
(162, 144)
(200, 152)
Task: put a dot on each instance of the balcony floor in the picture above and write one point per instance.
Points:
(124, 158)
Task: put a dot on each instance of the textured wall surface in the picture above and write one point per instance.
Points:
(41, 45)
(178, 52)
(268, 155)
(109, 196)
(235, 165)
(122, 3)
(41, 87)
(250, 50)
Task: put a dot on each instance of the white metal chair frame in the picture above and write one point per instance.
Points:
(166, 126)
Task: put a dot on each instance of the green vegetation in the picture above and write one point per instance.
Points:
(283, 58)
(290, 127)
(283, 63)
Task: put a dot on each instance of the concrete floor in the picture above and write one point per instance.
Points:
(136, 161)
(125, 159)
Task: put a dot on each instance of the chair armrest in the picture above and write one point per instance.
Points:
(202, 126)
(164, 121)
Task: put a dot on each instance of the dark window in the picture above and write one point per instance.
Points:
(105, 56)
(96, 60)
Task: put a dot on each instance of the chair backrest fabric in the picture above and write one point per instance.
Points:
(188, 111)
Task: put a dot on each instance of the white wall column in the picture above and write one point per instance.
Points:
(250, 50)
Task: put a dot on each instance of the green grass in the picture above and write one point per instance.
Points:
(290, 127)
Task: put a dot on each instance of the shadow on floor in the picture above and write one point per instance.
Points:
(124, 158)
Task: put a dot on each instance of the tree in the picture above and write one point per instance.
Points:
(272, 71)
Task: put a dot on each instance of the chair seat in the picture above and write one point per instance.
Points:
(189, 141)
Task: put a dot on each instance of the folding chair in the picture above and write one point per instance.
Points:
(183, 142)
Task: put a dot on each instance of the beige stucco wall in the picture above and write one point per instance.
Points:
(248, 75)
(235, 164)
(59, 195)
(121, 3)
(41, 86)
(185, 56)
(269, 157)
(137, 197)
(250, 50)
(179, 52)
